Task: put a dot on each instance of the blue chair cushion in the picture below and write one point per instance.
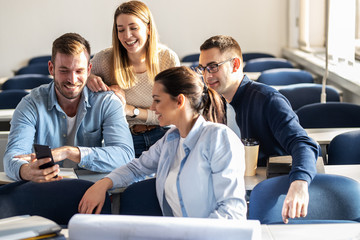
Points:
(9, 99)
(344, 149)
(262, 64)
(329, 115)
(285, 76)
(140, 199)
(303, 94)
(57, 201)
(332, 198)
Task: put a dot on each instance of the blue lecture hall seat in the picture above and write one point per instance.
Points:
(303, 94)
(140, 199)
(344, 149)
(9, 99)
(40, 59)
(285, 76)
(333, 199)
(57, 201)
(26, 81)
(37, 68)
(191, 58)
(329, 115)
(254, 55)
(262, 64)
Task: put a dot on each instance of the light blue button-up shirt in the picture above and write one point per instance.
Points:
(211, 178)
(100, 116)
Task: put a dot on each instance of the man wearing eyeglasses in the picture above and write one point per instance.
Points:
(264, 114)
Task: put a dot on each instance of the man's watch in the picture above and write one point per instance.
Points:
(136, 112)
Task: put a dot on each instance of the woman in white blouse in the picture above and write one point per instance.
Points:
(199, 164)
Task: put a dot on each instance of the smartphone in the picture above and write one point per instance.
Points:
(43, 151)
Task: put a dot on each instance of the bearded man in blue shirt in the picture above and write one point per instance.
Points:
(69, 118)
(264, 114)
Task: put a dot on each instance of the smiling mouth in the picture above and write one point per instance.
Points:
(71, 87)
(212, 84)
(131, 43)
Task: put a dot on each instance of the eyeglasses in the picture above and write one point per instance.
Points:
(212, 67)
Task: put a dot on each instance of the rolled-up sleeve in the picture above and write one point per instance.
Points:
(228, 166)
(21, 138)
(118, 146)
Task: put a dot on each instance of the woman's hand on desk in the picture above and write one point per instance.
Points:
(296, 201)
(94, 197)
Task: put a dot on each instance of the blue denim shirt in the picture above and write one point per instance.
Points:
(266, 115)
(100, 116)
(211, 178)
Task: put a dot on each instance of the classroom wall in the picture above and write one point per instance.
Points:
(28, 27)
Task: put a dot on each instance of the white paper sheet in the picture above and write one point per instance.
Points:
(82, 226)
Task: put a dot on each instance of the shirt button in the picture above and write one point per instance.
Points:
(64, 135)
(64, 117)
(83, 166)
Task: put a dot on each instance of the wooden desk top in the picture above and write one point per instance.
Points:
(253, 75)
(252, 181)
(325, 135)
(351, 171)
(6, 114)
(350, 231)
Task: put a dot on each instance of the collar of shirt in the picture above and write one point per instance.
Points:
(52, 99)
(191, 138)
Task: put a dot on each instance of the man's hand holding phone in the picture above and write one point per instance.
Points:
(41, 168)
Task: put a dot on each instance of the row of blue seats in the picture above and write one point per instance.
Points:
(15, 88)
(192, 58)
(333, 199)
(254, 63)
(37, 65)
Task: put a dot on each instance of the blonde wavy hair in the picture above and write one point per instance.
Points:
(123, 71)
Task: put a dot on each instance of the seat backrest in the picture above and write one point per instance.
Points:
(140, 199)
(9, 99)
(37, 68)
(332, 198)
(26, 81)
(191, 58)
(344, 149)
(254, 55)
(262, 64)
(40, 59)
(58, 200)
(307, 93)
(329, 115)
(285, 76)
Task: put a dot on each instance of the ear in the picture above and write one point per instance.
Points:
(51, 68)
(237, 64)
(148, 29)
(181, 100)
(89, 68)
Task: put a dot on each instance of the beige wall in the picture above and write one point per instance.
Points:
(28, 27)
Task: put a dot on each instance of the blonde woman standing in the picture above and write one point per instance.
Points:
(129, 67)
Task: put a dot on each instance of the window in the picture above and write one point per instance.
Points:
(357, 30)
(341, 19)
(312, 25)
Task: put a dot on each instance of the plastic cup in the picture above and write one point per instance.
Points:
(251, 155)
